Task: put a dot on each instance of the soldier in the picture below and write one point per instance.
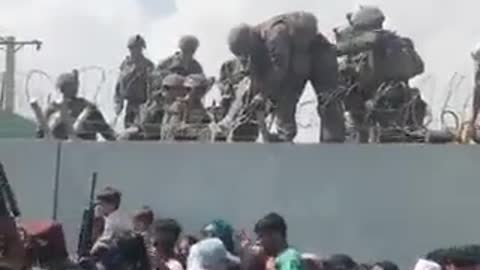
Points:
(232, 73)
(476, 90)
(173, 90)
(376, 70)
(132, 84)
(183, 61)
(286, 52)
(186, 115)
(75, 116)
(148, 123)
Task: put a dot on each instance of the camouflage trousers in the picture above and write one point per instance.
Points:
(131, 113)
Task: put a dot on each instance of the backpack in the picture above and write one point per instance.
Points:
(379, 55)
(400, 60)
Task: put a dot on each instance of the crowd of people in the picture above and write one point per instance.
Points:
(361, 82)
(141, 241)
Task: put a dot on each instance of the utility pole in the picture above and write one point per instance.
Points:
(11, 46)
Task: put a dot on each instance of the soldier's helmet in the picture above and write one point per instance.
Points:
(367, 17)
(173, 81)
(136, 41)
(196, 81)
(188, 43)
(67, 81)
(240, 40)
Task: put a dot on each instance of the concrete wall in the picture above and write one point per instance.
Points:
(371, 201)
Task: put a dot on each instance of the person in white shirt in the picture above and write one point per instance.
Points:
(108, 203)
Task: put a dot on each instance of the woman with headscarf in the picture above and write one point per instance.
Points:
(222, 230)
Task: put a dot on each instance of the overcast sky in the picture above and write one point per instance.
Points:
(94, 32)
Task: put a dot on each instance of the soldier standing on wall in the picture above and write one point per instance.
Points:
(377, 67)
(284, 53)
(182, 62)
(73, 115)
(133, 82)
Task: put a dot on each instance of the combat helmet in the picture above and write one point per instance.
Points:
(240, 40)
(66, 80)
(173, 80)
(367, 17)
(188, 43)
(137, 41)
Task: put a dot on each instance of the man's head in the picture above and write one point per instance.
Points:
(136, 45)
(184, 245)
(241, 40)
(108, 200)
(142, 219)
(165, 233)
(196, 85)
(188, 45)
(271, 231)
(173, 87)
(68, 83)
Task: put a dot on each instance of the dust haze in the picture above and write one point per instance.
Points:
(77, 34)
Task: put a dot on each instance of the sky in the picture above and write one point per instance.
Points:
(78, 34)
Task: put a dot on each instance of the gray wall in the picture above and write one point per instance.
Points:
(372, 201)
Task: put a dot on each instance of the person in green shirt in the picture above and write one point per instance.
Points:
(271, 232)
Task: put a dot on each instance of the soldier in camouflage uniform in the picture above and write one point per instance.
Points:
(285, 53)
(132, 85)
(62, 115)
(173, 90)
(232, 73)
(186, 118)
(378, 93)
(148, 123)
(183, 61)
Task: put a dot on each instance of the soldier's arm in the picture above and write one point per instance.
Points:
(48, 113)
(117, 96)
(224, 82)
(278, 45)
(100, 125)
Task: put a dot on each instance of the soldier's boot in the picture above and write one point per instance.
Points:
(324, 77)
(285, 122)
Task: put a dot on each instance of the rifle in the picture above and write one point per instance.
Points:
(12, 251)
(85, 238)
